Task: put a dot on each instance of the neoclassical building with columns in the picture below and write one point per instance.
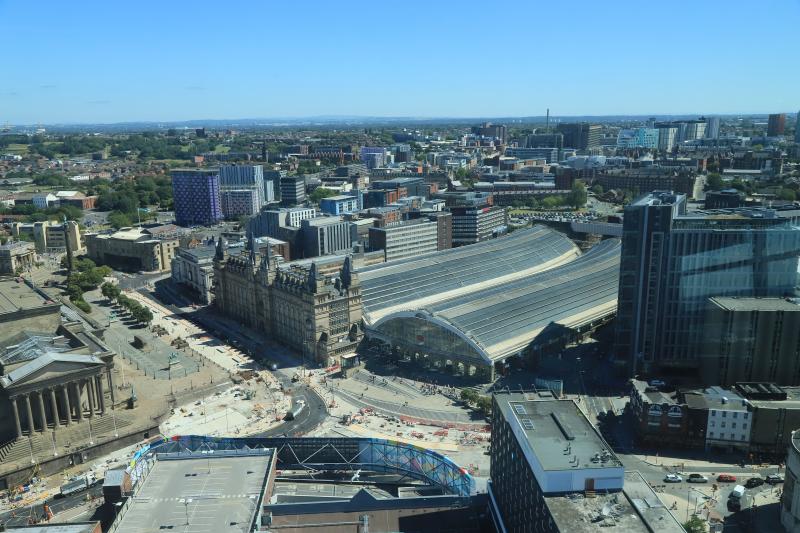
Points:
(54, 390)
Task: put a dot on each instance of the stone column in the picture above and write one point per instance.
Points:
(29, 412)
(111, 387)
(100, 397)
(54, 407)
(67, 406)
(77, 388)
(15, 410)
(41, 411)
(90, 396)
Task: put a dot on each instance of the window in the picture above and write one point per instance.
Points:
(711, 434)
(713, 424)
(723, 424)
(744, 426)
(735, 415)
(733, 425)
(745, 415)
(724, 414)
(713, 412)
(742, 437)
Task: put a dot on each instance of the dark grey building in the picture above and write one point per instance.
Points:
(293, 190)
(326, 235)
(673, 262)
(581, 136)
(545, 140)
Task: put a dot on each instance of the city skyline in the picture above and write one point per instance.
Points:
(98, 63)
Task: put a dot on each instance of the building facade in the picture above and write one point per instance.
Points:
(50, 236)
(196, 196)
(751, 339)
(242, 190)
(638, 138)
(339, 205)
(132, 249)
(582, 136)
(325, 236)
(408, 239)
(193, 269)
(672, 263)
(293, 190)
(776, 124)
(476, 224)
(16, 256)
(317, 314)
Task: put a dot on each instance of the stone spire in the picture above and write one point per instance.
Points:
(346, 274)
(222, 244)
(312, 277)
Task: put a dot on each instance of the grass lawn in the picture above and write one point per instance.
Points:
(17, 149)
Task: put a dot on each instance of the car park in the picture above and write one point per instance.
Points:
(672, 478)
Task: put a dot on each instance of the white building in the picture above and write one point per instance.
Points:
(193, 270)
(729, 419)
(790, 503)
(242, 191)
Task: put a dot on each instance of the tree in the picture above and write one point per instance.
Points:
(714, 182)
(320, 193)
(788, 195)
(118, 220)
(597, 189)
(577, 196)
(695, 525)
(469, 396)
(484, 405)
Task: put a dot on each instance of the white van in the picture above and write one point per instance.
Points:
(735, 497)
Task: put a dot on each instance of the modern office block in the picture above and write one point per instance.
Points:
(776, 124)
(242, 191)
(581, 136)
(325, 235)
(712, 128)
(196, 196)
(673, 262)
(293, 190)
(476, 224)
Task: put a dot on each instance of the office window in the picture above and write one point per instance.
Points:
(735, 415)
(713, 412)
(745, 415)
(724, 414)
(733, 425)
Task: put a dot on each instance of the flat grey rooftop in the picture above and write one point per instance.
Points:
(77, 527)
(223, 499)
(15, 296)
(733, 303)
(637, 509)
(557, 431)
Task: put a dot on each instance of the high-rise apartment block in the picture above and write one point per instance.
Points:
(776, 124)
(293, 190)
(241, 190)
(637, 138)
(373, 156)
(712, 128)
(581, 136)
(493, 131)
(674, 262)
(667, 136)
(196, 196)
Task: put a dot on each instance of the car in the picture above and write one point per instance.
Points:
(726, 478)
(774, 479)
(657, 383)
(672, 478)
(754, 482)
(696, 478)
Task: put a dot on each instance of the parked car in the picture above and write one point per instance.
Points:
(726, 478)
(774, 479)
(754, 482)
(697, 478)
(672, 478)
(657, 383)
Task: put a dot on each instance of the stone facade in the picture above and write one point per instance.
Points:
(318, 314)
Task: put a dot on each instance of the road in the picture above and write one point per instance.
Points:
(57, 505)
(314, 413)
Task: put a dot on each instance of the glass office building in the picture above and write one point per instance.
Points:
(673, 262)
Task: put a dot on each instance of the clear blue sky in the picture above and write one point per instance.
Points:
(112, 60)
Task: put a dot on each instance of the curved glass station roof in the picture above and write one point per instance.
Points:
(495, 297)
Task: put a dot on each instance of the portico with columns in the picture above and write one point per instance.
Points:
(54, 391)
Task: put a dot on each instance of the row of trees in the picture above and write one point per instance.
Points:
(576, 199)
(137, 311)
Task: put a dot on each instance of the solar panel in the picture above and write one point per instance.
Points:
(527, 424)
(520, 409)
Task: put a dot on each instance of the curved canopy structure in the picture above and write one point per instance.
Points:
(490, 304)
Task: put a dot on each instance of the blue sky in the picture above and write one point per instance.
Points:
(111, 61)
